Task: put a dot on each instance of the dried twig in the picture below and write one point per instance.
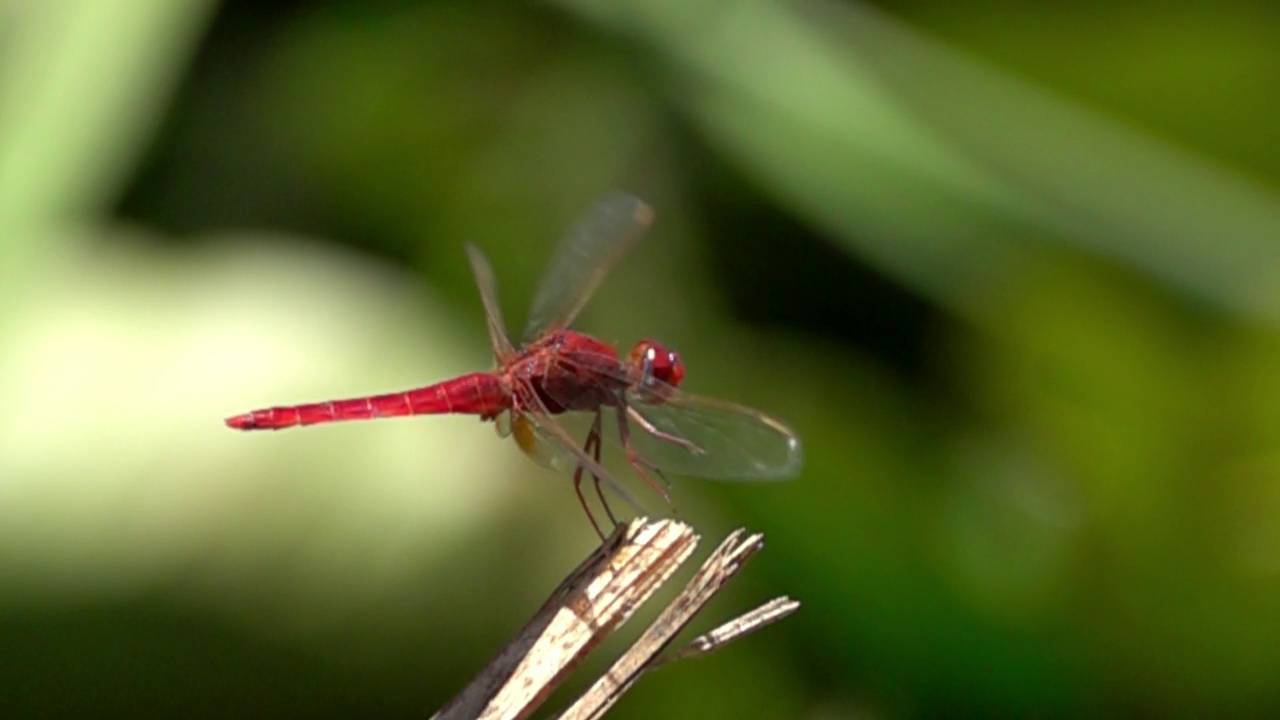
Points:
(596, 599)
(723, 564)
(741, 626)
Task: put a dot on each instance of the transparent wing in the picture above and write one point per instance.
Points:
(536, 445)
(684, 434)
(708, 438)
(583, 259)
(502, 348)
(550, 444)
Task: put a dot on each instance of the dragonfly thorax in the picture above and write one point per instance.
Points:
(568, 370)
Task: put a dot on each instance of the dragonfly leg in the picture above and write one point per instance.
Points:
(596, 434)
(592, 448)
(546, 429)
(638, 463)
(654, 431)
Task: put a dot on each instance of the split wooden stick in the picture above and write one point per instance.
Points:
(592, 603)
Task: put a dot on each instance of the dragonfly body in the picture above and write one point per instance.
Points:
(477, 393)
(558, 370)
(568, 371)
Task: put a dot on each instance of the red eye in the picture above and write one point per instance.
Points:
(673, 370)
(657, 361)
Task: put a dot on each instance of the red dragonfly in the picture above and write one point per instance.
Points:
(558, 373)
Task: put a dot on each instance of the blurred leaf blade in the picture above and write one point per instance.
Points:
(84, 84)
(912, 152)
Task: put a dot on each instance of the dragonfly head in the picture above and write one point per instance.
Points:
(656, 361)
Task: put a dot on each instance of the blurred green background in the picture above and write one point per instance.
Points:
(1010, 270)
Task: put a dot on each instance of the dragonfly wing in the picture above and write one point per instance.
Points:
(685, 434)
(703, 437)
(550, 444)
(502, 348)
(584, 257)
(539, 446)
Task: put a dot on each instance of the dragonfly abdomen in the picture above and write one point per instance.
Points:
(473, 394)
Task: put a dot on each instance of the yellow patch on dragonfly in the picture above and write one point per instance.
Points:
(522, 432)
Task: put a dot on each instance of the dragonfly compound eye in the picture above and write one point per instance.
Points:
(658, 362)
